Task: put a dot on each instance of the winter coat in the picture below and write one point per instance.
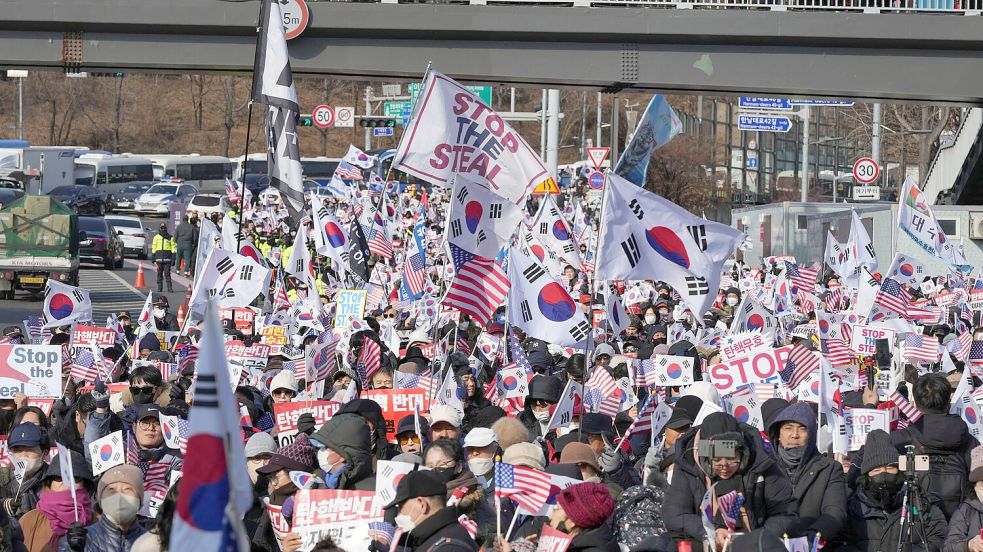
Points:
(818, 484)
(965, 524)
(36, 528)
(25, 495)
(384, 450)
(625, 476)
(475, 504)
(767, 491)
(104, 536)
(441, 525)
(871, 529)
(186, 234)
(343, 434)
(598, 539)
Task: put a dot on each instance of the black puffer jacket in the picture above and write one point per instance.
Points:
(348, 435)
(441, 525)
(871, 529)
(965, 524)
(817, 482)
(767, 491)
(598, 539)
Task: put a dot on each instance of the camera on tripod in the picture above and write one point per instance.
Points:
(919, 462)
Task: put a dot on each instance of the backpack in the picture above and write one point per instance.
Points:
(946, 484)
(637, 515)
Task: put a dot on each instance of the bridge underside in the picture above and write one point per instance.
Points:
(926, 58)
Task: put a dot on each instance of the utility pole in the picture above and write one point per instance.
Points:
(368, 111)
(553, 130)
(597, 141)
(804, 116)
(614, 131)
(875, 141)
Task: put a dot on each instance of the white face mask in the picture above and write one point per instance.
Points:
(542, 416)
(650, 319)
(159, 313)
(464, 326)
(404, 522)
(322, 460)
(121, 509)
(733, 301)
(481, 466)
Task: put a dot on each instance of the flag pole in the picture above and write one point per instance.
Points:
(249, 122)
(593, 287)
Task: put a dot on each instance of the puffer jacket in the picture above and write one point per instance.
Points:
(871, 529)
(474, 505)
(23, 497)
(348, 435)
(767, 491)
(965, 524)
(817, 482)
(104, 536)
(597, 539)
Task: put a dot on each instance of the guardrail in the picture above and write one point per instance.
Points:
(958, 7)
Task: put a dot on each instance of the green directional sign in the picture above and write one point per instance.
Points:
(483, 92)
(395, 108)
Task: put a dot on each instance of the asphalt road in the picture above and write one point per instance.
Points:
(110, 290)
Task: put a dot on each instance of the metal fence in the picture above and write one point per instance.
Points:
(959, 7)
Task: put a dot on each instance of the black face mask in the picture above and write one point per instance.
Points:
(142, 395)
(883, 488)
(445, 474)
(659, 341)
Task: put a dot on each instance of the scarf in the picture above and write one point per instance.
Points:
(57, 506)
(791, 457)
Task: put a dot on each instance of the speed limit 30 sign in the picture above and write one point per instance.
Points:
(323, 116)
(865, 170)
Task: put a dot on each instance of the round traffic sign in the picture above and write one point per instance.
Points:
(323, 116)
(596, 180)
(865, 170)
(296, 16)
(344, 116)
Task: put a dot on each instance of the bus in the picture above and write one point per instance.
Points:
(319, 169)
(207, 172)
(112, 173)
(257, 164)
(382, 169)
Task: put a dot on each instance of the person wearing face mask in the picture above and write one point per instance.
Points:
(25, 447)
(817, 481)
(259, 449)
(446, 458)
(874, 508)
(965, 533)
(598, 430)
(658, 334)
(120, 496)
(165, 320)
(371, 412)
(344, 453)
(544, 392)
(584, 457)
(163, 250)
(295, 456)
(126, 323)
(729, 456)
(55, 512)
(582, 511)
(421, 512)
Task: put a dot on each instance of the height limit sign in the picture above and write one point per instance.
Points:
(323, 116)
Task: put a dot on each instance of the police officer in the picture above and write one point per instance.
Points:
(163, 250)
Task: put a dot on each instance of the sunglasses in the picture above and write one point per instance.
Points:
(412, 438)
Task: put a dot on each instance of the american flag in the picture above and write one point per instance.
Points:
(921, 348)
(347, 171)
(804, 279)
(965, 343)
(281, 302)
(232, 191)
(837, 353)
(323, 357)
(924, 313)
(84, 366)
(369, 359)
(730, 508)
(641, 424)
(807, 302)
(527, 487)
(460, 256)
(187, 356)
(413, 381)
(976, 352)
(801, 364)
(518, 355)
(156, 474)
(415, 264)
(893, 297)
(832, 299)
(382, 532)
(906, 408)
(478, 288)
(601, 381)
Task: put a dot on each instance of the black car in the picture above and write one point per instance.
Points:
(100, 243)
(84, 200)
(125, 199)
(8, 196)
(256, 183)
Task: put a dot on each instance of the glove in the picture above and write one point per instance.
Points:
(305, 423)
(177, 391)
(610, 460)
(376, 546)
(653, 457)
(76, 537)
(10, 507)
(100, 392)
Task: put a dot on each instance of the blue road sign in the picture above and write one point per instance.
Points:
(752, 163)
(764, 123)
(382, 131)
(839, 103)
(751, 102)
(596, 180)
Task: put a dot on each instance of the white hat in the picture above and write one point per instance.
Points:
(284, 380)
(418, 336)
(444, 413)
(480, 437)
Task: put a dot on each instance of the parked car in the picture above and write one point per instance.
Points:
(84, 200)
(8, 196)
(158, 198)
(208, 204)
(135, 238)
(101, 244)
(126, 198)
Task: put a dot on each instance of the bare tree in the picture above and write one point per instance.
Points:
(200, 87)
(233, 106)
(931, 122)
(678, 173)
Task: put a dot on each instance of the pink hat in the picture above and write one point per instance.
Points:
(588, 505)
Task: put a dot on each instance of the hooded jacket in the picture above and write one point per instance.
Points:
(767, 491)
(540, 387)
(871, 529)
(371, 411)
(348, 435)
(441, 525)
(817, 482)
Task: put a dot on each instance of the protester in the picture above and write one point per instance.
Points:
(19, 495)
(163, 249)
(424, 517)
(120, 495)
(582, 512)
(57, 509)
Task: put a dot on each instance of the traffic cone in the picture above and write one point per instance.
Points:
(180, 316)
(139, 283)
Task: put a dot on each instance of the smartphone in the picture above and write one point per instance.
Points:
(921, 463)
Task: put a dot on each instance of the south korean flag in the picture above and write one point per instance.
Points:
(541, 307)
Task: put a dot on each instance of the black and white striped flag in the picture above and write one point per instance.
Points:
(273, 85)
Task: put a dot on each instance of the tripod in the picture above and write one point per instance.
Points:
(912, 524)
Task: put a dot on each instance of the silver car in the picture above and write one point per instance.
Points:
(135, 238)
(157, 200)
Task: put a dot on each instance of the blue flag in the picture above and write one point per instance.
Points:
(659, 124)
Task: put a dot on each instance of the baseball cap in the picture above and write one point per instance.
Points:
(445, 413)
(416, 484)
(480, 437)
(25, 435)
(148, 411)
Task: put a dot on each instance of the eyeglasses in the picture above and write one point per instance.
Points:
(725, 462)
(138, 389)
(148, 424)
(411, 438)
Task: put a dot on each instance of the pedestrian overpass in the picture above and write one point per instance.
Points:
(861, 49)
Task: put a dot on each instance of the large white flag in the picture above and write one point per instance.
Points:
(209, 238)
(232, 279)
(862, 249)
(555, 233)
(65, 304)
(647, 237)
(453, 131)
(540, 306)
(480, 221)
(299, 264)
(838, 256)
(916, 219)
(147, 323)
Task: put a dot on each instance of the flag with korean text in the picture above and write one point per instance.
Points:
(916, 219)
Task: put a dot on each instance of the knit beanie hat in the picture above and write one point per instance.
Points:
(124, 473)
(976, 464)
(298, 456)
(529, 455)
(878, 451)
(587, 505)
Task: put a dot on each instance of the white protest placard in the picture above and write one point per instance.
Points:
(865, 338)
(861, 421)
(344, 515)
(34, 370)
(760, 367)
(743, 344)
(671, 371)
(349, 305)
